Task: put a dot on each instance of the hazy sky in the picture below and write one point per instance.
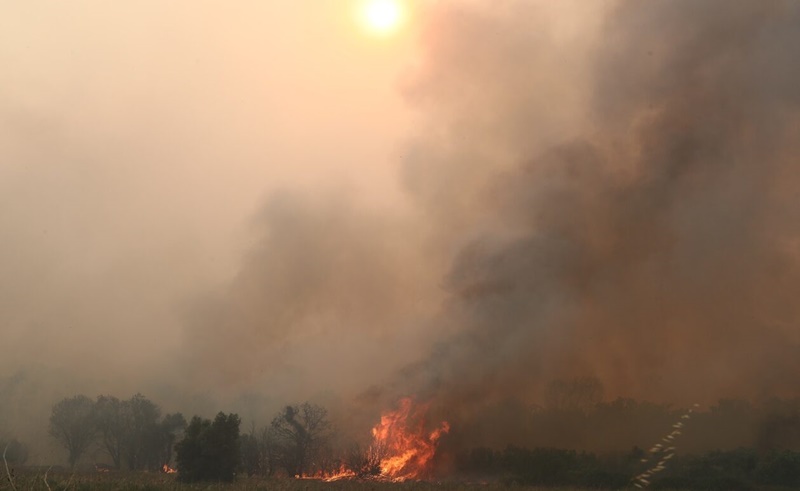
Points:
(264, 201)
(139, 144)
(139, 140)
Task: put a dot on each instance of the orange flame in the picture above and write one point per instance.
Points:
(401, 444)
(341, 473)
(408, 447)
(168, 470)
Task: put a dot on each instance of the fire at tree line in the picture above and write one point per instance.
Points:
(573, 439)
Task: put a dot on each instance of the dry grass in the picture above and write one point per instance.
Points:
(33, 479)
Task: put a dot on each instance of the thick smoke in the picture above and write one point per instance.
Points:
(331, 290)
(603, 190)
(609, 196)
(656, 246)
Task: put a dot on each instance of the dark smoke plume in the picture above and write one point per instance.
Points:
(613, 196)
(655, 245)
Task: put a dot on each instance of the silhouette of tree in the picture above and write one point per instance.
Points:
(130, 432)
(168, 430)
(73, 424)
(259, 456)
(209, 451)
(140, 429)
(300, 434)
(110, 422)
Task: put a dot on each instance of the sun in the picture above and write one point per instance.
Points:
(382, 16)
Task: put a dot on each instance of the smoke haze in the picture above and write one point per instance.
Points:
(604, 190)
(656, 246)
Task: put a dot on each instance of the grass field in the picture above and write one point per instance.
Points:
(43, 480)
(31, 479)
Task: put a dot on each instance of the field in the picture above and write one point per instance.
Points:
(34, 479)
(31, 479)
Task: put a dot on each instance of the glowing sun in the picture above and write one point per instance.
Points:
(382, 16)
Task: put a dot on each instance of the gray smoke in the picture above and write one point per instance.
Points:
(657, 246)
(611, 196)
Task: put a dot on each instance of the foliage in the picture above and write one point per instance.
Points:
(140, 428)
(209, 450)
(73, 425)
(167, 433)
(110, 422)
(131, 432)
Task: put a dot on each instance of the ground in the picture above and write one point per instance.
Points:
(34, 479)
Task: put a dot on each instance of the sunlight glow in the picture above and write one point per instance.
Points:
(382, 16)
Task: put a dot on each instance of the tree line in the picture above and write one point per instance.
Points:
(131, 432)
(742, 469)
(295, 443)
(135, 436)
(574, 429)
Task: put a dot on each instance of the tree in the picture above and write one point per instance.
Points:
(168, 430)
(259, 456)
(111, 425)
(73, 425)
(300, 433)
(253, 459)
(209, 450)
(140, 427)
(131, 432)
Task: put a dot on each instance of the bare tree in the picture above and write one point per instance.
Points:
(73, 424)
(301, 433)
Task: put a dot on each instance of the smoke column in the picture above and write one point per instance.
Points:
(625, 197)
(607, 193)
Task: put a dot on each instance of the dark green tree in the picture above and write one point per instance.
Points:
(209, 451)
(73, 424)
